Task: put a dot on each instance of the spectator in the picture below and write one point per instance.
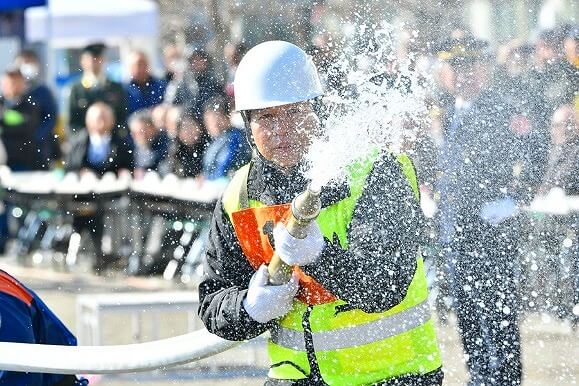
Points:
(513, 81)
(479, 193)
(173, 62)
(197, 85)
(143, 90)
(19, 121)
(555, 82)
(233, 52)
(570, 45)
(229, 149)
(41, 95)
(93, 87)
(185, 157)
(151, 144)
(173, 120)
(159, 116)
(564, 152)
(98, 150)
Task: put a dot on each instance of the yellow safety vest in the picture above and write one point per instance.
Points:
(352, 347)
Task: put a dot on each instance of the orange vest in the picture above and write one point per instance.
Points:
(254, 230)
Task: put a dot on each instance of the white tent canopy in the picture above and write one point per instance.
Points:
(70, 22)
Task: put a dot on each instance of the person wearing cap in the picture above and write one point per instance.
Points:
(355, 311)
(19, 121)
(195, 86)
(94, 86)
(41, 95)
(483, 165)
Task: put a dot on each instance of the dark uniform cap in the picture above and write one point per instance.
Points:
(464, 50)
(95, 49)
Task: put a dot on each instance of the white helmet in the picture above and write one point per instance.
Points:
(275, 73)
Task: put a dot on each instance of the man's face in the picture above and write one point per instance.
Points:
(13, 86)
(564, 125)
(142, 132)
(470, 79)
(215, 122)
(139, 68)
(283, 134)
(198, 64)
(190, 132)
(92, 64)
(99, 121)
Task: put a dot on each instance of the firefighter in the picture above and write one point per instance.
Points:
(355, 311)
(24, 318)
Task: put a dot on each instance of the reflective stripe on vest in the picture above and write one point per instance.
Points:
(357, 335)
(12, 287)
(349, 347)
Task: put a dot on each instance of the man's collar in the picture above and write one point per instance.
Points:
(269, 184)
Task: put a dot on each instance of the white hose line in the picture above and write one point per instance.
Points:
(112, 359)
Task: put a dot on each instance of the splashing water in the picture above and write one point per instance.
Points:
(383, 95)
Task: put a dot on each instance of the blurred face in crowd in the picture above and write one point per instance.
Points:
(198, 63)
(283, 134)
(100, 119)
(470, 78)
(92, 64)
(191, 132)
(143, 132)
(445, 76)
(29, 65)
(159, 116)
(515, 63)
(13, 85)
(216, 122)
(570, 47)
(139, 67)
(172, 121)
(545, 52)
(564, 125)
(172, 58)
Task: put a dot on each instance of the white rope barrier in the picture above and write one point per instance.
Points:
(158, 354)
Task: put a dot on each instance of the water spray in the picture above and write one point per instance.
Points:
(305, 208)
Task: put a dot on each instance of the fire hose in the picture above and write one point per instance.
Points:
(163, 353)
(151, 355)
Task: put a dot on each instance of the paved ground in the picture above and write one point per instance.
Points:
(550, 347)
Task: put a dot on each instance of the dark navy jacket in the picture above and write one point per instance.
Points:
(24, 318)
(145, 96)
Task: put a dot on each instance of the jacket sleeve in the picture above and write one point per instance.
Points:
(374, 273)
(224, 284)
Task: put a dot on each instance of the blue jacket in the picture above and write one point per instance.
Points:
(145, 96)
(24, 318)
(225, 154)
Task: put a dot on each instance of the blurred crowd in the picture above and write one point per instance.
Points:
(503, 129)
(177, 124)
(182, 122)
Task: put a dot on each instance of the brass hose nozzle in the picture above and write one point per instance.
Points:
(305, 208)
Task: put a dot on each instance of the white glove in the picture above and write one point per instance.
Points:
(265, 302)
(294, 251)
(497, 211)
